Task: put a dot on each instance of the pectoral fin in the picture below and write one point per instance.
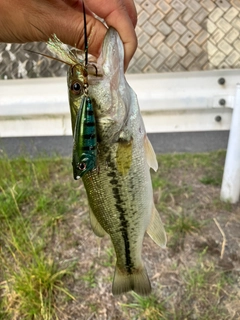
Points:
(150, 154)
(97, 228)
(156, 230)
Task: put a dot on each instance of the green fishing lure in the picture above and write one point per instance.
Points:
(84, 157)
(84, 140)
(85, 133)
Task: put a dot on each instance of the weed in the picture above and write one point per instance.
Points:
(205, 285)
(30, 280)
(180, 224)
(184, 160)
(212, 174)
(38, 205)
(213, 177)
(109, 261)
(148, 308)
(196, 278)
(222, 205)
(89, 278)
(30, 287)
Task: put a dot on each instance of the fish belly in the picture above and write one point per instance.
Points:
(120, 197)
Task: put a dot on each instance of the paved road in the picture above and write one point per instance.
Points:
(162, 143)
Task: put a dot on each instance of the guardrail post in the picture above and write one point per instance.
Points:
(230, 190)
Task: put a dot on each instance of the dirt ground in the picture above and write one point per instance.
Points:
(196, 277)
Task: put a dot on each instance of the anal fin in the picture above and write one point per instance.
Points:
(156, 229)
(97, 228)
(150, 154)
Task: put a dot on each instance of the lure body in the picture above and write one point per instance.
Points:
(84, 157)
(84, 140)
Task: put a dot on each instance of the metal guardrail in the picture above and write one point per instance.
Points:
(171, 102)
(194, 101)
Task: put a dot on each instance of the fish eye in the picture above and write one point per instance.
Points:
(81, 166)
(76, 88)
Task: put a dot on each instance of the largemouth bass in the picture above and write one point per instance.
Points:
(119, 190)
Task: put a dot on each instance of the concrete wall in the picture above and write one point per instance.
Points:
(173, 36)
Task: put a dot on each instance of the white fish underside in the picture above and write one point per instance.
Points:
(120, 190)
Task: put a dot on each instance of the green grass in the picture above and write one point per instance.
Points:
(205, 285)
(39, 200)
(31, 286)
(147, 307)
(178, 225)
(30, 206)
(109, 259)
(89, 278)
(193, 160)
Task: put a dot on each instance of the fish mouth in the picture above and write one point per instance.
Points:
(110, 64)
(112, 54)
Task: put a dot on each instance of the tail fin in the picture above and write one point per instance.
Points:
(137, 281)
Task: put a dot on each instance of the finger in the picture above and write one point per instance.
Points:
(128, 4)
(75, 4)
(131, 10)
(96, 32)
(126, 9)
(115, 13)
(65, 19)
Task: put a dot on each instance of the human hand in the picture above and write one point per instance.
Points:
(36, 20)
